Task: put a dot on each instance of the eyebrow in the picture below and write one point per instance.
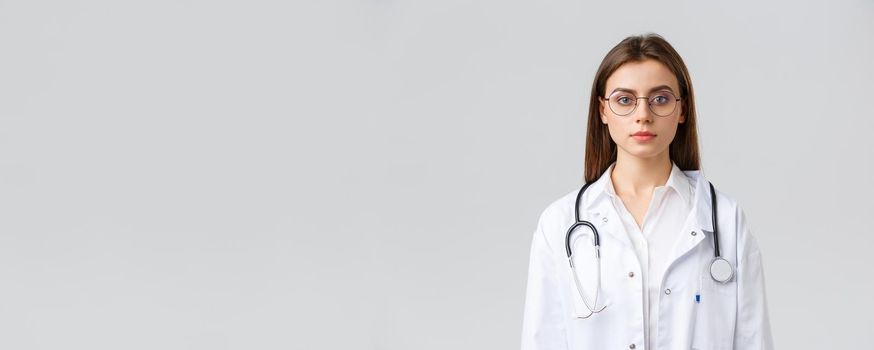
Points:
(660, 87)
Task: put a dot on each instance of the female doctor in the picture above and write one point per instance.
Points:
(648, 254)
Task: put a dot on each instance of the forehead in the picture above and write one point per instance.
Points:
(641, 77)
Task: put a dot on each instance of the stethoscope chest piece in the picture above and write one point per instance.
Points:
(720, 270)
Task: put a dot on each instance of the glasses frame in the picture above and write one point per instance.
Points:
(648, 102)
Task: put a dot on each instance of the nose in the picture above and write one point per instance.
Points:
(642, 114)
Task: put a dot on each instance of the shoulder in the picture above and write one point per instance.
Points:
(727, 203)
(734, 223)
(555, 218)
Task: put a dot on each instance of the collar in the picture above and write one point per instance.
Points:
(694, 184)
(677, 180)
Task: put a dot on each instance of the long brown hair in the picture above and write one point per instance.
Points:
(600, 148)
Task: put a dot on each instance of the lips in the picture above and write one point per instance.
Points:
(643, 136)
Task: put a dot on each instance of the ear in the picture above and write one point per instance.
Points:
(682, 116)
(601, 110)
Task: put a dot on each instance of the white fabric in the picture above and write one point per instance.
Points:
(668, 211)
(729, 316)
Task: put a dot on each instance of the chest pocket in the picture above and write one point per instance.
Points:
(714, 313)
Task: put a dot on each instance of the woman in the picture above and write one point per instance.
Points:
(654, 280)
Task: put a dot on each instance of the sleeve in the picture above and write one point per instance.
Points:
(753, 327)
(543, 327)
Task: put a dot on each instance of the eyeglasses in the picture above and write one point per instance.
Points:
(661, 103)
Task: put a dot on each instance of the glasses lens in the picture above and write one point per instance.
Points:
(663, 103)
(622, 103)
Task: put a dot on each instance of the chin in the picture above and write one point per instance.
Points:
(644, 151)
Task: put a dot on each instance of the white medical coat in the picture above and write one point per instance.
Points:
(728, 316)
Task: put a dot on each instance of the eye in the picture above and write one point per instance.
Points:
(660, 99)
(624, 100)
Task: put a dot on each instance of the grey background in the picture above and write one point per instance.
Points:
(368, 174)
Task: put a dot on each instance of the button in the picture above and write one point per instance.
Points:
(668, 291)
(631, 346)
(605, 219)
(631, 274)
(694, 233)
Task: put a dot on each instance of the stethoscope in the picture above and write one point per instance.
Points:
(720, 269)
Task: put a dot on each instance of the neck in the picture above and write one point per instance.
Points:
(634, 176)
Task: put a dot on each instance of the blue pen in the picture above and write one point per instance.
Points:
(697, 298)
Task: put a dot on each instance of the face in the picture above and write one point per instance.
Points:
(639, 78)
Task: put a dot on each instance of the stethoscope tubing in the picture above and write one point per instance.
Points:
(597, 237)
(716, 263)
